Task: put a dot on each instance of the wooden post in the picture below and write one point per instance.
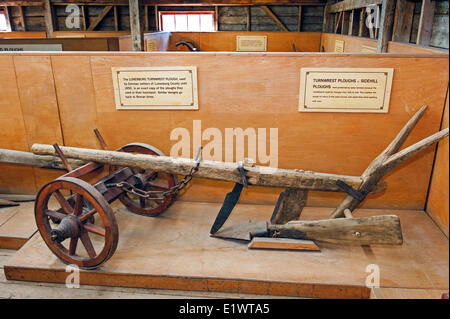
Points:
(248, 19)
(146, 26)
(156, 19)
(327, 18)
(426, 22)
(22, 18)
(7, 18)
(48, 17)
(386, 21)
(83, 18)
(116, 19)
(350, 22)
(299, 26)
(137, 36)
(338, 21)
(216, 18)
(344, 25)
(403, 19)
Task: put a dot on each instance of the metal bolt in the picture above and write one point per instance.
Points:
(357, 234)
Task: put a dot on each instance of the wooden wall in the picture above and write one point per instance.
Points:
(25, 35)
(226, 41)
(235, 90)
(72, 44)
(438, 200)
(355, 44)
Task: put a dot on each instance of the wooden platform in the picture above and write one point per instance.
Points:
(175, 251)
(17, 225)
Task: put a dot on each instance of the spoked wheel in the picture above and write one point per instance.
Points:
(76, 222)
(149, 181)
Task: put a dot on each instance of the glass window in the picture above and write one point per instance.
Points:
(187, 21)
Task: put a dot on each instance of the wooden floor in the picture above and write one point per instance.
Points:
(17, 225)
(174, 251)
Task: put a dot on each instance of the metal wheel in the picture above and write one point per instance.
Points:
(65, 211)
(153, 181)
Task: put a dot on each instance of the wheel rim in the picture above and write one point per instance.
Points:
(162, 182)
(74, 202)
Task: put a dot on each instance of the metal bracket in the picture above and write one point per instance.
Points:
(350, 190)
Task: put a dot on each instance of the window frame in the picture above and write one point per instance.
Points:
(163, 13)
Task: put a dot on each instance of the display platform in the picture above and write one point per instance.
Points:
(175, 251)
(17, 225)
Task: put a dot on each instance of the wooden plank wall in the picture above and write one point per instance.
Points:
(236, 90)
(438, 200)
(226, 41)
(354, 44)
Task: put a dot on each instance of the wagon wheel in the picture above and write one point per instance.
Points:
(154, 181)
(65, 210)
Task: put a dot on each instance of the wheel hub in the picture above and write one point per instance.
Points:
(69, 227)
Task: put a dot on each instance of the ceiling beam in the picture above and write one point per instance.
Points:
(99, 18)
(348, 5)
(169, 2)
(269, 12)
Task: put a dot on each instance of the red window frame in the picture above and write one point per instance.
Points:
(162, 13)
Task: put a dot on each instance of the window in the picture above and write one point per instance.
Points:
(187, 21)
(3, 25)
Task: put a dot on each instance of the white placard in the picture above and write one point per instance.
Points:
(30, 47)
(157, 88)
(345, 89)
(255, 43)
(339, 45)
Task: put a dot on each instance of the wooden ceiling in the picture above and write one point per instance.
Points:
(168, 2)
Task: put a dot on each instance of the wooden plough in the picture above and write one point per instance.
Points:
(144, 180)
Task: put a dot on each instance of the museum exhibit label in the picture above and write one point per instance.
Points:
(365, 90)
(159, 88)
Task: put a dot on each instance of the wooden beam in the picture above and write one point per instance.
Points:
(350, 22)
(269, 12)
(38, 3)
(137, 36)
(22, 18)
(327, 19)
(116, 19)
(426, 22)
(348, 5)
(362, 30)
(99, 18)
(299, 26)
(191, 3)
(216, 18)
(83, 18)
(146, 22)
(7, 18)
(403, 21)
(156, 18)
(344, 23)
(386, 22)
(338, 21)
(249, 18)
(48, 18)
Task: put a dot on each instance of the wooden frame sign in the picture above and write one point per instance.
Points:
(364, 90)
(155, 88)
(252, 43)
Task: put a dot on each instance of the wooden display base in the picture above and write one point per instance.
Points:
(17, 225)
(175, 251)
